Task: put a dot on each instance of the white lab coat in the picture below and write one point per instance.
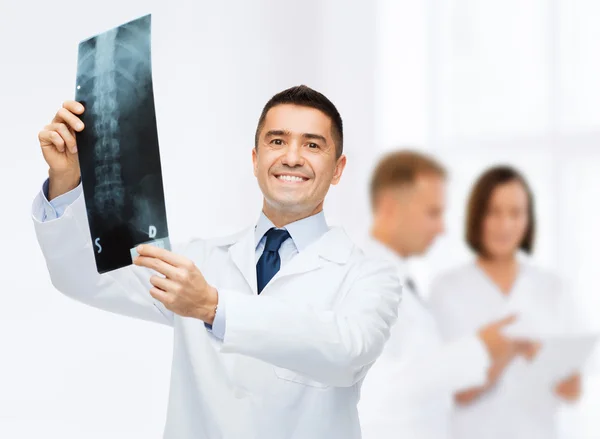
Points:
(408, 392)
(465, 299)
(292, 360)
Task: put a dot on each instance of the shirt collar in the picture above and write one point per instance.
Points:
(303, 232)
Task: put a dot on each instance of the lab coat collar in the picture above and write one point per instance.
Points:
(303, 232)
(334, 246)
(242, 255)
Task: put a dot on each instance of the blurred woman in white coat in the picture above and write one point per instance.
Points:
(500, 223)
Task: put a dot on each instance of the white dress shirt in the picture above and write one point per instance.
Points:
(408, 393)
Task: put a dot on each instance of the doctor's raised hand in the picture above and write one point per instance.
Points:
(59, 147)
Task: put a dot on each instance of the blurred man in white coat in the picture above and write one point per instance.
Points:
(409, 391)
(276, 326)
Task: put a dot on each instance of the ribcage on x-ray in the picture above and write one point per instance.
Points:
(118, 150)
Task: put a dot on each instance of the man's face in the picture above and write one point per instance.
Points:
(418, 214)
(295, 160)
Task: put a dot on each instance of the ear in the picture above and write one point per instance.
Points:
(255, 161)
(385, 202)
(390, 200)
(339, 169)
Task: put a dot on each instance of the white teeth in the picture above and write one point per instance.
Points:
(291, 178)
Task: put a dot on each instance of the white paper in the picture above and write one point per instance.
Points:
(562, 356)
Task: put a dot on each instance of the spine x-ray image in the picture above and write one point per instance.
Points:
(118, 149)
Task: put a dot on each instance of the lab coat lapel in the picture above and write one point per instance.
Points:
(333, 246)
(242, 254)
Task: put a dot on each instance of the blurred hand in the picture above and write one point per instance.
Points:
(570, 388)
(500, 347)
(59, 147)
(528, 348)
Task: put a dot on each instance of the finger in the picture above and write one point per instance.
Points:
(66, 134)
(74, 107)
(164, 284)
(524, 343)
(52, 138)
(64, 115)
(164, 255)
(507, 320)
(162, 296)
(157, 265)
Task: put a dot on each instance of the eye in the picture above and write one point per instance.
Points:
(313, 145)
(276, 142)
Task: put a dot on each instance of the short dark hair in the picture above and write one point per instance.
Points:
(401, 168)
(479, 202)
(306, 97)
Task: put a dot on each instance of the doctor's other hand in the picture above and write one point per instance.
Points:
(501, 350)
(500, 347)
(59, 147)
(569, 389)
(528, 348)
(183, 288)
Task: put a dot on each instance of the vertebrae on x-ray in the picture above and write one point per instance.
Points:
(109, 196)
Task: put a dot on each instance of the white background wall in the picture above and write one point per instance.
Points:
(475, 82)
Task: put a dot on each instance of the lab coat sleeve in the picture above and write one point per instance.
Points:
(334, 347)
(67, 247)
(452, 367)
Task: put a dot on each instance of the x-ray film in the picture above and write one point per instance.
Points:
(118, 149)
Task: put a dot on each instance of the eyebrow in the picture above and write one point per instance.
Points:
(272, 133)
(315, 137)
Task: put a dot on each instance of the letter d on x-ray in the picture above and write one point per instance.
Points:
(152, 232)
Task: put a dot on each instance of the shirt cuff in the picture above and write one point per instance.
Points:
(218, 326)
(55, 208)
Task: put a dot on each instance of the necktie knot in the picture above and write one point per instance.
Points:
(275, 237)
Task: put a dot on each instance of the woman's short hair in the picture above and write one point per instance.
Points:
(479, 202)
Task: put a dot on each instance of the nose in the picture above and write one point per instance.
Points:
(292, 156)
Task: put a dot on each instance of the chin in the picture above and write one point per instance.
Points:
(502, 253)
(287, 204)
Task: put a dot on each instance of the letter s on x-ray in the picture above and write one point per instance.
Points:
(151, 234)
(97, 242)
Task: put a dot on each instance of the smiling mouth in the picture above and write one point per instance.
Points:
(286, 178)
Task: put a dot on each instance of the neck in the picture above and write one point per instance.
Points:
(382, 235)
(281, 218)
(501, 270)
(498, 262)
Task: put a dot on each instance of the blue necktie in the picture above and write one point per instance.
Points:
(269, 261)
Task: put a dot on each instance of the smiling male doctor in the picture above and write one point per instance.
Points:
(276, 326)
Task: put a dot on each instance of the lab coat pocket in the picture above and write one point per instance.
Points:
(295, 377)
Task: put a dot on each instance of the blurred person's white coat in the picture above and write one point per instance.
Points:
(408, 393)
(465, 299)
